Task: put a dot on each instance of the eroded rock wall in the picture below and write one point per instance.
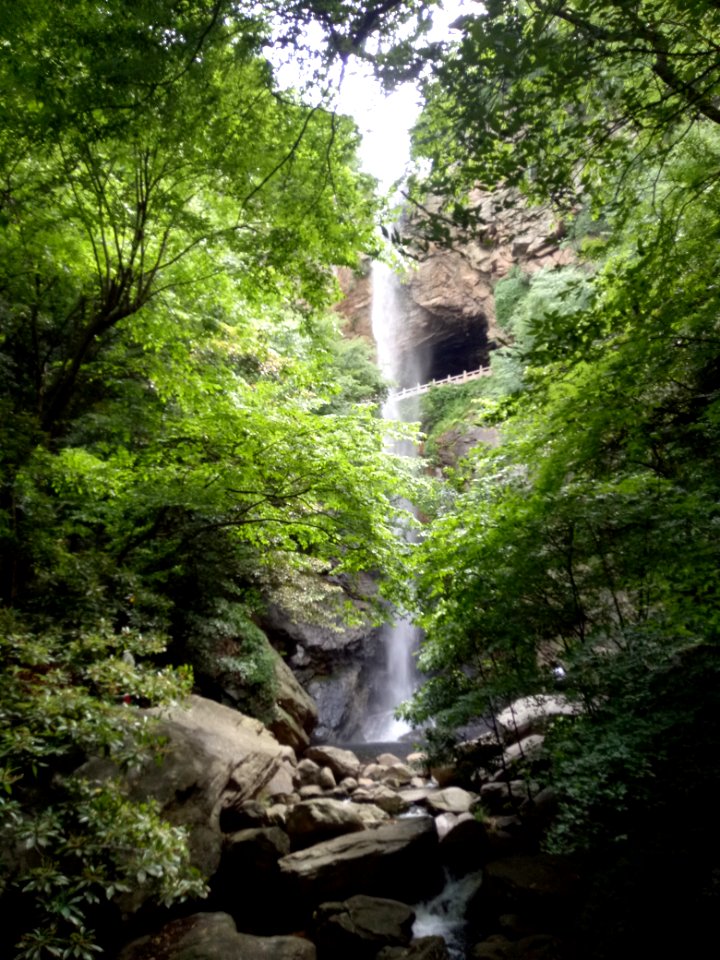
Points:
(447, 296)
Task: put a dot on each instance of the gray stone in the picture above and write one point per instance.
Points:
(241, 816)
(310, 791)
(524, 751)
(343, 763)
(358, 927)
(312, 821)
(398, 860)
(214, 758)
(384, 797)
(424, 948)
(451, 800)
(297, 712)
(212, 936)
(308, 773)
(326, 779)
(533, 715)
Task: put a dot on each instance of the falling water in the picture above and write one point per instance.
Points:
(444, 916)
(400, 639)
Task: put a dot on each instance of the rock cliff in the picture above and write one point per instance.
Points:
(446, 296)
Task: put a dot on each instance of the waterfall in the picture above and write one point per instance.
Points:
(398, 677)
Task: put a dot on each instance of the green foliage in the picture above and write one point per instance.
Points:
(70, 846)
(178, 416)
(560, 98)
(588, 537)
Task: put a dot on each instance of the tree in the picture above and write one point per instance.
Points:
(177, 419)
(558, 97)
(588, 537)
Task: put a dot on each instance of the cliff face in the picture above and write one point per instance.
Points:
(447, 296)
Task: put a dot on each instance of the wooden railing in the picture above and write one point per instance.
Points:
(463, 377)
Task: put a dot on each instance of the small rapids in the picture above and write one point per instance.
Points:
(444, 915)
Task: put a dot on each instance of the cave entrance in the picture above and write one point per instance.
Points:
(464, 347)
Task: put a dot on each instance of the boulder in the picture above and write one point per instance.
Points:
(296, 711)
(252, 854)
(212, 936)
(241, 816)
(527, 750)
(533, 715)
(381, 796)
(358, 927)
(312, 790)
(327, 779)
(451, 800)
(398, 860)
(494, 948)
(424, 948)
(465, 846)
(312, 821)
(213, 758)
(307, 773)
(343, 763)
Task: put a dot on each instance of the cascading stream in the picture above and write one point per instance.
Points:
(397, 679)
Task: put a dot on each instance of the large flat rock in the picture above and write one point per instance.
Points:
(398, 860)
(212, 936)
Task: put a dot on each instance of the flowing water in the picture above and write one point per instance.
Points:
(444, 915)
(398, 678)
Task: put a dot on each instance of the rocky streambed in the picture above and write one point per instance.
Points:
(326, 856)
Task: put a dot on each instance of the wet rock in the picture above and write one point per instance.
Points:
(424, 948)
(312, 821)
(358, 927)
(252, 853)
(398, 860)
(213, 936)
(465, 847)
(451, 800)
(343, 763)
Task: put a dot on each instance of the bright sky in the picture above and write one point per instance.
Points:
(384, 120)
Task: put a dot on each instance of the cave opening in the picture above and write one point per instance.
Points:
(461, 349)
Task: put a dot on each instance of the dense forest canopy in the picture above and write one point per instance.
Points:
(586, 544)
(182, 428)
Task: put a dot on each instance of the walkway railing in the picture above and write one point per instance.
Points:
(420, 388)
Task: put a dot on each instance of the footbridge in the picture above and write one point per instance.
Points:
(421, 388)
